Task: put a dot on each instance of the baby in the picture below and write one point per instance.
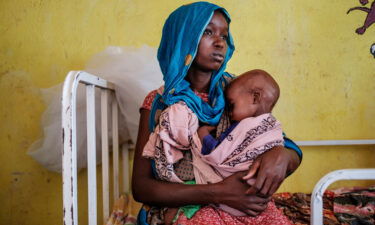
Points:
(252, 94)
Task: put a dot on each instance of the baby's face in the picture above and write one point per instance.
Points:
(251, 94)
(240, 102)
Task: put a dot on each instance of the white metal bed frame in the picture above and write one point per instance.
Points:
(70, 146)
(70, 153)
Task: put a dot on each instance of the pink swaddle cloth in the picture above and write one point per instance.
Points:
(177, 132)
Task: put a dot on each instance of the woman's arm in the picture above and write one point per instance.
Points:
(147, 189)
(271, 169)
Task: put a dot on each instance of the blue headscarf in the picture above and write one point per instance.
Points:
(182, 32)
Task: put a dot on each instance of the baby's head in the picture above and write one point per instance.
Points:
(251, 94)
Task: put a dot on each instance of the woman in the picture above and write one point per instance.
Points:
(195, 47)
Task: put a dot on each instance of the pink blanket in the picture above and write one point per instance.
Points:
(177, 132)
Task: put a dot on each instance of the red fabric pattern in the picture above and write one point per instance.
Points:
(147, 103)
(214, 216)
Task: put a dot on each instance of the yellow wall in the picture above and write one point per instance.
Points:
(325, 71)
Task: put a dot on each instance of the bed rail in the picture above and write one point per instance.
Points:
(336, 142)
(70, 146)
(316, 204)
(322, 185)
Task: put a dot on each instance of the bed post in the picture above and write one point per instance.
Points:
(69, 151)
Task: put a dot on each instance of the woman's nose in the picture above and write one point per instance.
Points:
(219, 42)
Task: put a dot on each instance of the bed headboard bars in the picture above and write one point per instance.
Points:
(70, 205)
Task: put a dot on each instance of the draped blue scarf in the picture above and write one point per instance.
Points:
(182, 32)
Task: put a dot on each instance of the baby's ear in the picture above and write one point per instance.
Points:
(257, 96)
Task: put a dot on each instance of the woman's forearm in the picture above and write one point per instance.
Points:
(230, 191)
(294, 161)
(160, 193)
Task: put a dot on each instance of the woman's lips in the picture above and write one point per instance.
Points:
(218, 57)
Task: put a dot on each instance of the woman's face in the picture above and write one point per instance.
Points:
(213, 44)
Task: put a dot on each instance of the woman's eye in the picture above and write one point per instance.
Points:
(224, 37)
(207, 32)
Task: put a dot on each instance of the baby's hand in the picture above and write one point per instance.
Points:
(204, 131)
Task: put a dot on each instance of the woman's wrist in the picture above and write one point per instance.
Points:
(214, 193)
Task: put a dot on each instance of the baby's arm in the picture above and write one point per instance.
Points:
(203, 131)
(208, 142)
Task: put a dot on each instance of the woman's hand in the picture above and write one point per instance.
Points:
(271, 169)
(231, 192)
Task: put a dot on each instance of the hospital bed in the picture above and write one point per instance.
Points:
(70, 197)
